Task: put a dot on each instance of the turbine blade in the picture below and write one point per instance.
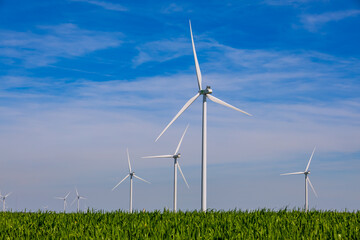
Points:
(8, 195)
(198, 72)
(216, 100)
(77, 193)
(178, 147)
(72, 203)
(183, 175)
(159, 156)
(83, 198)
(128, 157)
(294, 173)
(180, 112)
(312, 187)
(59, 198)
(307, 167)
(141, 179)
(120, 182)
(67, 195)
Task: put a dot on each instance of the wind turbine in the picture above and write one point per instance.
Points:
(78, 197)
(64, 198)
(175, 156)
(307, 180)
(206, 93)
(3, 198)
(131, 174)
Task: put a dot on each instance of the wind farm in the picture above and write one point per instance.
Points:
(217, 104)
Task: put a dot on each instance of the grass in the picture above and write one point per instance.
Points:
(259, 224)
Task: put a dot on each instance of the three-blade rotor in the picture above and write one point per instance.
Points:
(306, 172)
(201, 91)
(175, 155)
(131, 173)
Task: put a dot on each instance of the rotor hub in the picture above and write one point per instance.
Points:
(208, 90)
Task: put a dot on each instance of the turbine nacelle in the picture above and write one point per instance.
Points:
(307, 172)
(208, 90)
(177, 155)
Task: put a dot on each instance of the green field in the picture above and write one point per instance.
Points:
(260, 224)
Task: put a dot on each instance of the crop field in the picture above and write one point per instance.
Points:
(259, 224)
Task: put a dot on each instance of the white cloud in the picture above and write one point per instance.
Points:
(173, 8)
(65, 40)
(161, 51)
(313, 22)
(105, 4)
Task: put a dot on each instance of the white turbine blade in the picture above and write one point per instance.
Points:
(128, 157)
(59, 198)
(160, 156)
(141, 179)
(307, 167)
(180, 112)
(77, 193)
(83, 198)
(72, 203)
(121, 182)
(294, 173)
(312, 187)
(7, 195)
(183, 175)
(178, 147)
(198, 72)
(216, 100)
(67, 195)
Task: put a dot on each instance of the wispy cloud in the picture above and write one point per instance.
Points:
(286, 2)
(52, 42)
(173, 8)
(161, 51)
(313, 22)
(105, 4)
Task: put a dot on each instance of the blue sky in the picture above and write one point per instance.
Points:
(82, 80)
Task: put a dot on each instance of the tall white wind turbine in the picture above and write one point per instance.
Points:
(307, 180)
(64, 199)
(175, 156)
(206, 93)
(131, 174)
(3, 198)
(78, 197)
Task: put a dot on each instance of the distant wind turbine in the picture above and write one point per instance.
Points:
(64, 199)
(206, 94)
(175, 156)
(78, 197)
(131, 174)
(3, 198)
(307, 180)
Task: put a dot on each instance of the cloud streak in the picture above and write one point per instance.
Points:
(61, 41)
(313, 22)
(105, 4)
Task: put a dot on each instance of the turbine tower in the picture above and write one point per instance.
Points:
(131, 174)
(175, 156)
(3, 198)
(307, 180)
(206, 93)
(78, 197)
(64, 199)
